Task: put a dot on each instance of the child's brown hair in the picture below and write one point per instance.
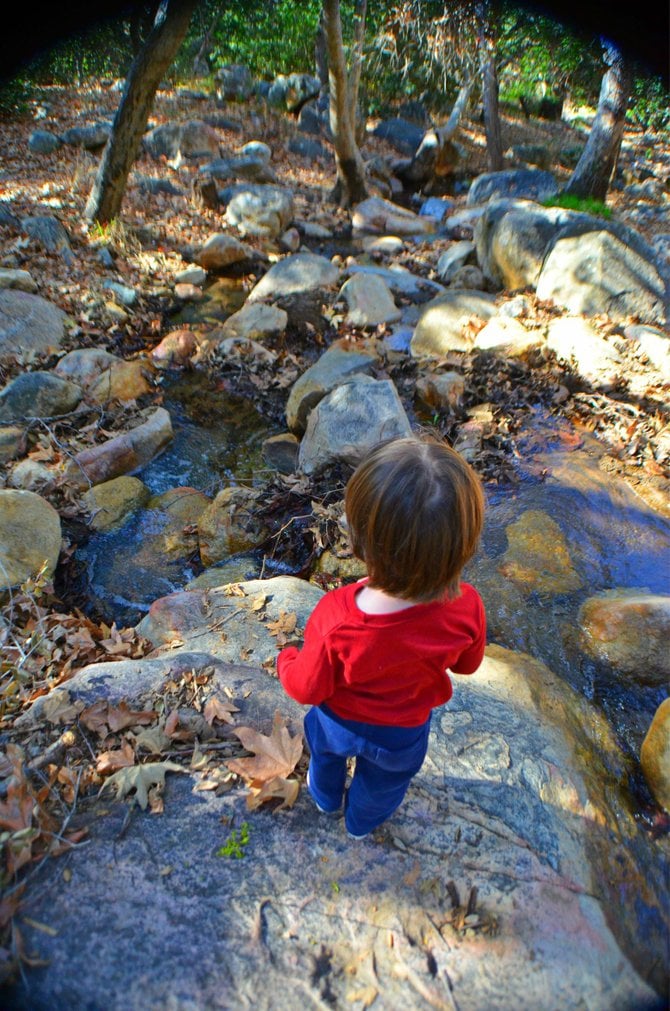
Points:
(415, 510)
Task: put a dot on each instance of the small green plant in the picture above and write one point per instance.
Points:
(236, 842)
(335, 887)
(574, 203)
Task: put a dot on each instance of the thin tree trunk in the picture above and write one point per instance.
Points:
(146, 72)
(350, 186)
(595, 169)
(487, 63)
(321, 53)
(430, 155)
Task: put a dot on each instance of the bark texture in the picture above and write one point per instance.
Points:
(436, 155)
(489, 76)
(350, 186)
(146, 72)
(594, 170)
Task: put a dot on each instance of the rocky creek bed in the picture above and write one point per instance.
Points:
(183, 480)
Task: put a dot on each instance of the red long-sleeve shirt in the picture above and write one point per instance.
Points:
(388, 669)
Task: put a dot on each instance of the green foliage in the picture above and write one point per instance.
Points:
(649, 105)
(104, 51)
(272, 38)
(15, 97)
(236, 843)
(574, 203)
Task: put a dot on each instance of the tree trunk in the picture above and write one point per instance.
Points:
(487, 63)
(435, 155)
(350, 186)
(594, 170)
(146, 72)
(321, 53)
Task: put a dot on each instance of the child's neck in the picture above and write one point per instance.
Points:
(373, 601)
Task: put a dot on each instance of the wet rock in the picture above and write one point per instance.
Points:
(532, 184)
(122, 381)
(84, 365)
(597, 272)
(44, 142)
(369, 301)
(17, 279)
(443, 322)
(376, 216)
(123, 454)
(506, 335)
(29, 325)
(441, 390)
(111, 502)
(335, 366)
(260, 210)
(655, 755)
(236, 569)
(12, 442)
(38, 395)
(281, 452)
(295, 275)
(349, 421)
(30, 537)
(178, 512)
(537, 558)
(229, 524)
(221, 251)
(629, 629)
(575, 339)
(176, 348)
(454, 258)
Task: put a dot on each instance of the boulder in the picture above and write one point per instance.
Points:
(533, 184)
(442, 323)
(177, 512)
(468, 277)
(335, 366)
(17, 279)
(84, 365)
(229, 524)
(507, 336)
(235, 83)
(349, 421)
(281, 452)
(454, 258)
(596, 272)
(254, 321)
(30, 537)
(122, 381)
(575, 340)
(511, 238)
(400, 280)
(44, 142)
(221, 251)
(251, 167)
(441, 390)
(256, 149)
(306, 148)
(92, 137)
(297, 274)
(654, 344)
(29, 325)
(293, 91)
(176, 349)
(260, 210)
(369, 300)
(376, 216)
(122, 454)
(655, 755)
(49, 233)
(12, 442)
(111, 502)
(537, 558)
(38, 395)
(192, 139)
(628, 629)
(401, 134)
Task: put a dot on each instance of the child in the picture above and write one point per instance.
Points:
(375, 655)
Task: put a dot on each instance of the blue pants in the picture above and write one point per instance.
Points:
(387, 758)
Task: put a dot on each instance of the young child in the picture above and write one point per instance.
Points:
(374, 660)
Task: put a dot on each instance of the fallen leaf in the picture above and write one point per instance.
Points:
(215, 709)
(259, 602)
(366, 996)
(57, 707)
(276, 755)
(121, 716)
(152, 740)
(120, 758)
(279, 788)
(140, 778)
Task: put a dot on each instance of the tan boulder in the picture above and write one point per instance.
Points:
(229, 524)
(112, 501)
(179, 509)
(655, 755)
(630, 630)
(30, 536)
(123, 381)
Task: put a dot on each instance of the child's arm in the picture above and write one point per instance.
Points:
(471, 658)
(308, 674)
